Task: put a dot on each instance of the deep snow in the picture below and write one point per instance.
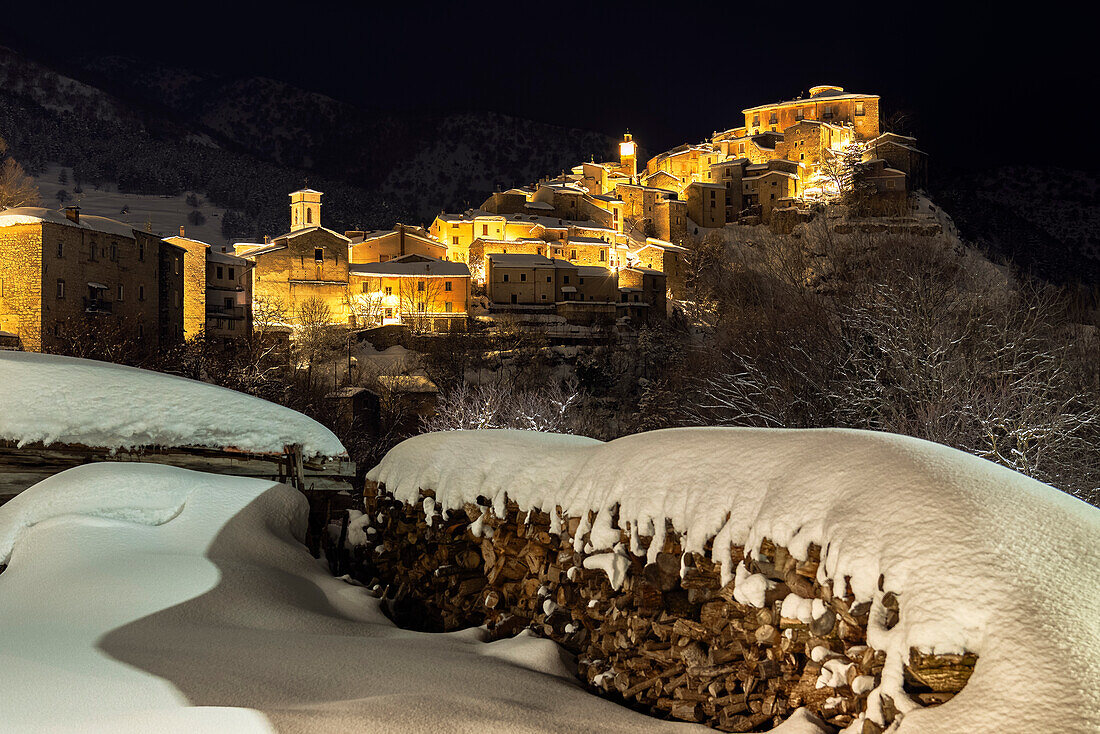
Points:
(64, 399)
(983, 559)
(150, 598)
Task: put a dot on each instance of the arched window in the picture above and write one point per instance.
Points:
(309, 216)
(295, 217)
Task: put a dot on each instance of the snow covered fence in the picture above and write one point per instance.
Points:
(730, 576)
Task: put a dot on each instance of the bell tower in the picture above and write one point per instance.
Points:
(628, 156)
(305, 209)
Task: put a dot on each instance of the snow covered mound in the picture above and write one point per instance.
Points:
(62, 399)
(142, 598)
(982, 559)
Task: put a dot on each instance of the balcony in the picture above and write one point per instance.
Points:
(98, 305)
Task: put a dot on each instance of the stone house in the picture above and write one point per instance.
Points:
(808, 141)
(388, 244)
(662, 256)
(706, 203)
(65, 276)
(424, 293)
(528, 280)
(642, 294)
(901, 154)
(217, 291)
(826, 103)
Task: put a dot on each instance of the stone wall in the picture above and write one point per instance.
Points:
(666, 637)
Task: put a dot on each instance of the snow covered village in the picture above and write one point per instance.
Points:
(590, 388)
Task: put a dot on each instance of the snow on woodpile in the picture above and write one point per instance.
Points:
(146, 598)
(982, 559)
(52, 399)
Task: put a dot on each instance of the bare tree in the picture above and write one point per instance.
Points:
(366, 307)
(420, 302)
(498, 405)
(268, 313)
(16, 187)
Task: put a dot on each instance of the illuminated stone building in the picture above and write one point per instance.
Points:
(64, 277)
(389, 244)
(825, 103)
(217, 291)
(421, 292)
(309, 262)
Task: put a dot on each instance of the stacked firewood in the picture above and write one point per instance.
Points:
(671, 640)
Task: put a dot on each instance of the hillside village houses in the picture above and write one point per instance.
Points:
(601, 243)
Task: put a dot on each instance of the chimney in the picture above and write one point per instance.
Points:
(401, 229)
(73, 214)
(181, 230)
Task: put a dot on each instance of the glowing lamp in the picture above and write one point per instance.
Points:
(627, 148)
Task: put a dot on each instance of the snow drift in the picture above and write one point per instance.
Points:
(982, 559)
(142, 598)
(51, 399)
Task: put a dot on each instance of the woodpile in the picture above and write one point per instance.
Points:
(670, 640)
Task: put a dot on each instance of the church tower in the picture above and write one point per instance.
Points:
(628, 156)
(305, 209)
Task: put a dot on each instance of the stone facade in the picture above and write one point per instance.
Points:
(90, 275)
(826, 103)
(706, 204)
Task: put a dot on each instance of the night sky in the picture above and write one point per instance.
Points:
(986, 86)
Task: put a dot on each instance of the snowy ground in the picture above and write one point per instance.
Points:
(150, 598)
(163, 214)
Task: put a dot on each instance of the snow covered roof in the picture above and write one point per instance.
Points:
(654, 242)
(588, 241)
(824, 95)
(307, 230)
(56, 399)
(262, 250)
(519, 260)
(539, 205)
(422, 268)
(982, 559)
(39, 215)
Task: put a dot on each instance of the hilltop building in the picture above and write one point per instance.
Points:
(65, 277)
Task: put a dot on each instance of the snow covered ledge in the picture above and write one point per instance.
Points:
(943, 552)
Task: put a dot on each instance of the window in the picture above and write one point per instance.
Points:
(447, 306)
(548, 279)
(419, 286)
(60, 288)
(565, 279)
(389, 313)
(523, 277)
(141, 331)
(365, 288)
(454, 240)
(309, 216)
(506, 277)
(514, 298)
(603, 255)
(572, 254)
(389, 290)
(219, 275)
(141, 293)
(175, 298)
(121, 293)
(318, 255)
(228, 303)
(61, 249)
(859, 108)
(581, 281)
(176, 265)
(141, 251)
(447, 286)
(232, 325)
(91, 255)
(485, 229)
(756, 119)
(740, 147)
(114, 251)
(544, 295)
(773, 119)
(232, 274)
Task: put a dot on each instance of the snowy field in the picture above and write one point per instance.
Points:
(163, 214)
(145, 598)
